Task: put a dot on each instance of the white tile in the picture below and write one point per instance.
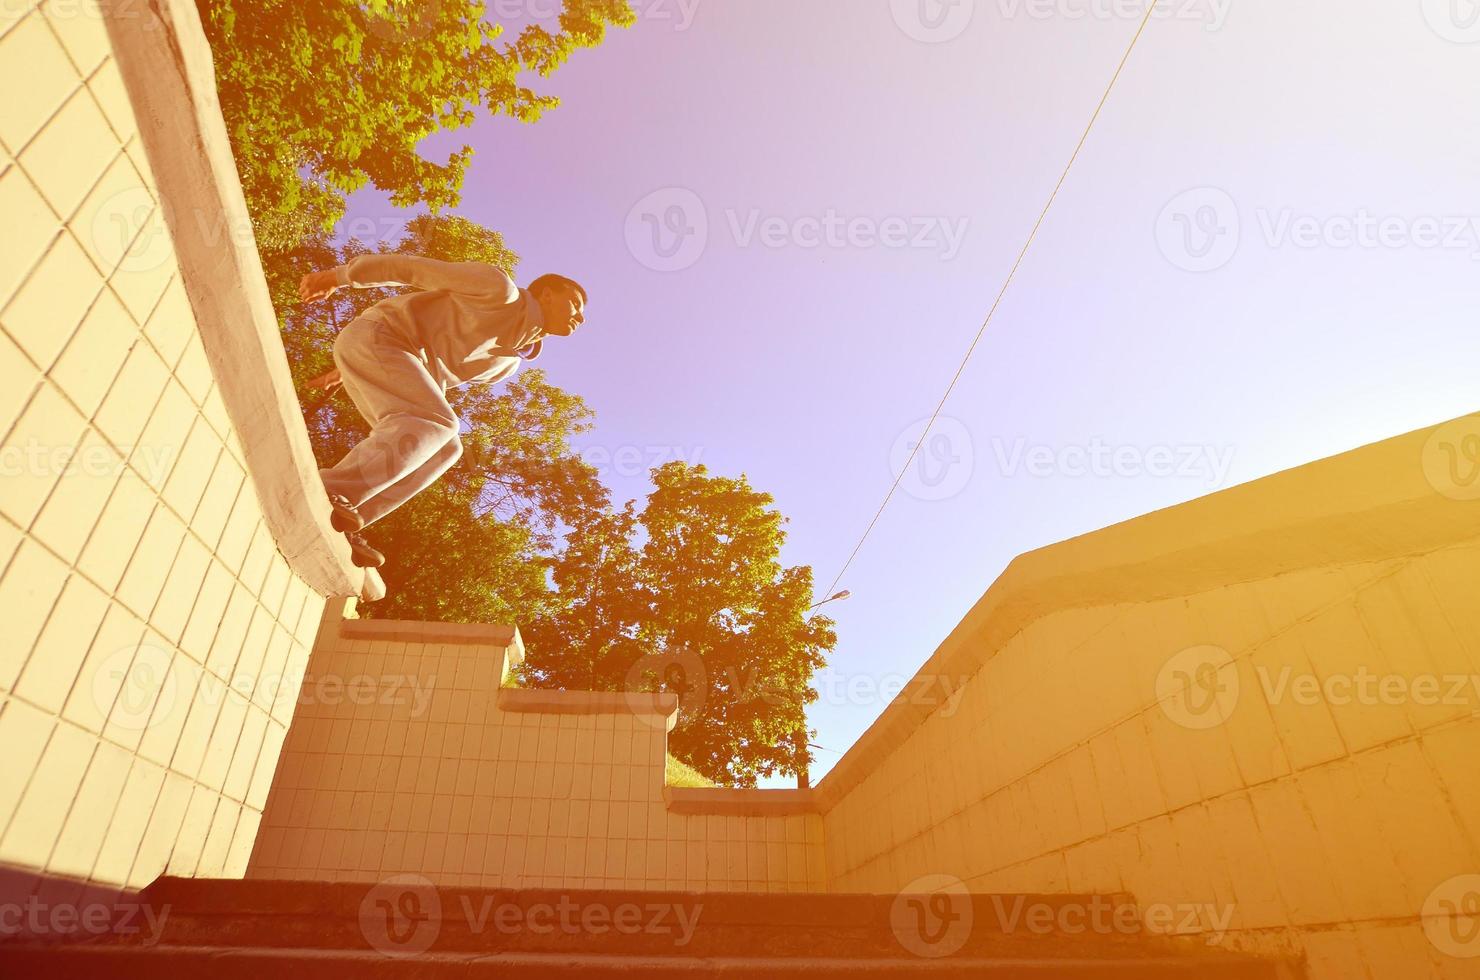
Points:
(33, 61)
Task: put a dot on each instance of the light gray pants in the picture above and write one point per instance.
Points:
(413, 431)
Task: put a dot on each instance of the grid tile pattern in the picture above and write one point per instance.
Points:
(399, 760)
(152, 621)
(1300, 816)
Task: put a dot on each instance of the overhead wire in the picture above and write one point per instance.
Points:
(1006, 284)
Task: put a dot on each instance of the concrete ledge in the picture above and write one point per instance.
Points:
(662, 707)
(702, 801)
(1371, 504)
(405, 631)
(165, 60)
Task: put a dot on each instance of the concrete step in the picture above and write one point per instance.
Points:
(120, 963)
(405, 928)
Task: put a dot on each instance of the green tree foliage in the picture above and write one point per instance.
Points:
(703, 608)
(321, 97)
(688, 596)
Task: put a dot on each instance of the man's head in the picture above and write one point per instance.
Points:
(563, 302)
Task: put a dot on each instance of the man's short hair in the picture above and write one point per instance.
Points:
(553, 281)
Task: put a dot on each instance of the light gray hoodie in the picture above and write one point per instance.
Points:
(468, 320)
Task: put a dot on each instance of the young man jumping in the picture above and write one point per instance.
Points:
(467, 323)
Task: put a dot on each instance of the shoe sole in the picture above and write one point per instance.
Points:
(345, 522)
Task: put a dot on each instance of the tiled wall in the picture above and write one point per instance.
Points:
(148, 613)
(448, 784)
(1076, 760)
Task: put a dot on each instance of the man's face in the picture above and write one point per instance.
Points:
(563, 308)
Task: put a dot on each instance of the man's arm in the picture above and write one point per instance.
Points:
(390, 269)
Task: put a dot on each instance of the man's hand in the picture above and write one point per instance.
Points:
(318, 285)
(327, 382)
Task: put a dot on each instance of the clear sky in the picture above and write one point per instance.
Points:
(793, 216)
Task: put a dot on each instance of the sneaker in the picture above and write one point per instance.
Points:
(362, 554)
(345, 517)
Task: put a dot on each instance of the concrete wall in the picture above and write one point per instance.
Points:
(1176, 708)
(155, 629)
(407, 757)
